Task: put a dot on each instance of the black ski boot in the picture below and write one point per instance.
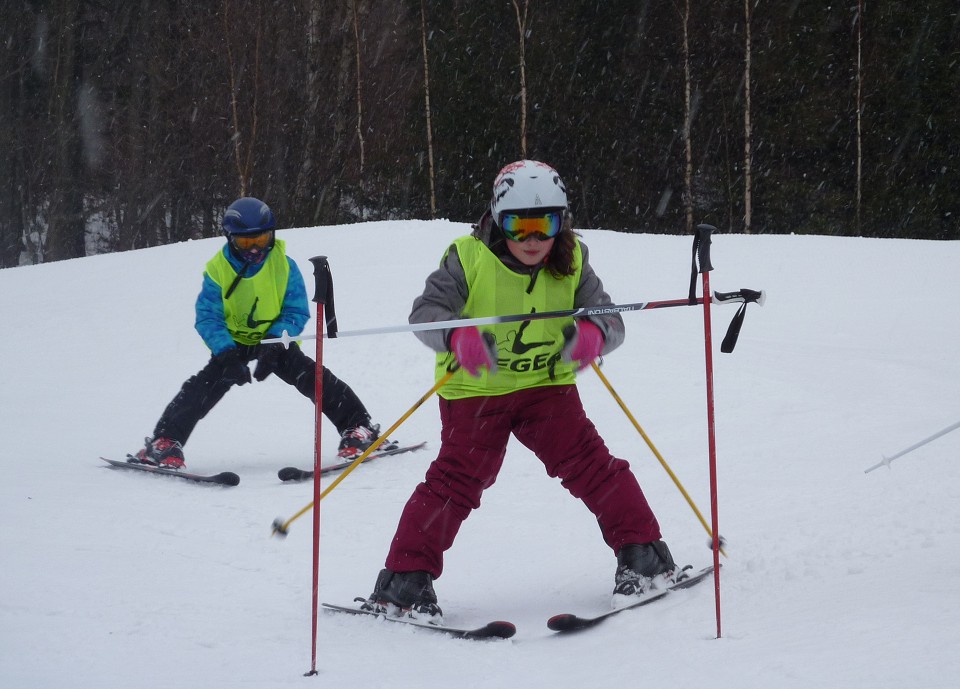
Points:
(641, 568)
(411, 592)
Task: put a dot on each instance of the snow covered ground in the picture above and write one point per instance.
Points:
(835, 577)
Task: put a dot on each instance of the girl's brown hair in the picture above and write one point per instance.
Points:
(560, 261)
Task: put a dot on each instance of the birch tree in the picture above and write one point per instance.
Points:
(747, 126)
(243, 159)
(426, 107)
(522, 30)
(687, 122)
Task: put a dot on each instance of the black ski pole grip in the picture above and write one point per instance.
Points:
(700, 262)
(323, 292)
(703, 246)
(323, 283)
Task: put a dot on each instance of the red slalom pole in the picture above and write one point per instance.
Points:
(323, 295)
(701, 248)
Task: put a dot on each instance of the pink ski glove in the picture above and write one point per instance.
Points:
(472, 350)
(584, 345)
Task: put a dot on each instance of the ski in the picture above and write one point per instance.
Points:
(295, 474)
(568, 622)
(226, 478)
(491, 630)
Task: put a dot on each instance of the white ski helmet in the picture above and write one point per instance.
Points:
(527, 185)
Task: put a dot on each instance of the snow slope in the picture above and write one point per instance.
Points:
(835, 577)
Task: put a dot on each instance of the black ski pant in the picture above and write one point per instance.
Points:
(201, 392)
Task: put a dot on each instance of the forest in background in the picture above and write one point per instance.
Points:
(127, 124)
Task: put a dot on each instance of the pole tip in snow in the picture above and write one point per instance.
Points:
(885, 462)
(279, 528)
(721, 544)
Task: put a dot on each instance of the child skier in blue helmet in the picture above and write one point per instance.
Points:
(253, 291)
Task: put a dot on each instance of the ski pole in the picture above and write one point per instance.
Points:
(886, 460)
(326, 313)
(657, 454)
(742, 296)
(701, 256)
(281, 527)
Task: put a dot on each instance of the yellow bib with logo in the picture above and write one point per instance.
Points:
(256, 301)
(528, 352)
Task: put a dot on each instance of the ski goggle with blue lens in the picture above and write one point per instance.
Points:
(521, 226)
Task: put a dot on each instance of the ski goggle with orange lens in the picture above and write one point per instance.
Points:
(520, 227)
(248, 242)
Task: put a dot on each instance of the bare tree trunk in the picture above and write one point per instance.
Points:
(15, 179)
(305, 182)
(426, 107)
(687, 121)
(237, 144)
(356, 42)
(522, 28)
(244, 163)
(859, 111)
(747, 127)
(329, 203)
(67, 228)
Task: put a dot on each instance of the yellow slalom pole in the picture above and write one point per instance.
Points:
(656, 452)
(280, 527)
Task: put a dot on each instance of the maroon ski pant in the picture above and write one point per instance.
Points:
(551, 422)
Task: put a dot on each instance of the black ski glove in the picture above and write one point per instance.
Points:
(234, 369)
(268, 359)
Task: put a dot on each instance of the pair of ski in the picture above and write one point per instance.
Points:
(563, 623)
(228, 478)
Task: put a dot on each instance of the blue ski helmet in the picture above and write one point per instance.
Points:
(248, 215)
(248, 224)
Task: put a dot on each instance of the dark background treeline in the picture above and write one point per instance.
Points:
(132, 123)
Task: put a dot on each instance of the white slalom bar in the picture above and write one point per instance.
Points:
(738, 297)
(885, 462)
